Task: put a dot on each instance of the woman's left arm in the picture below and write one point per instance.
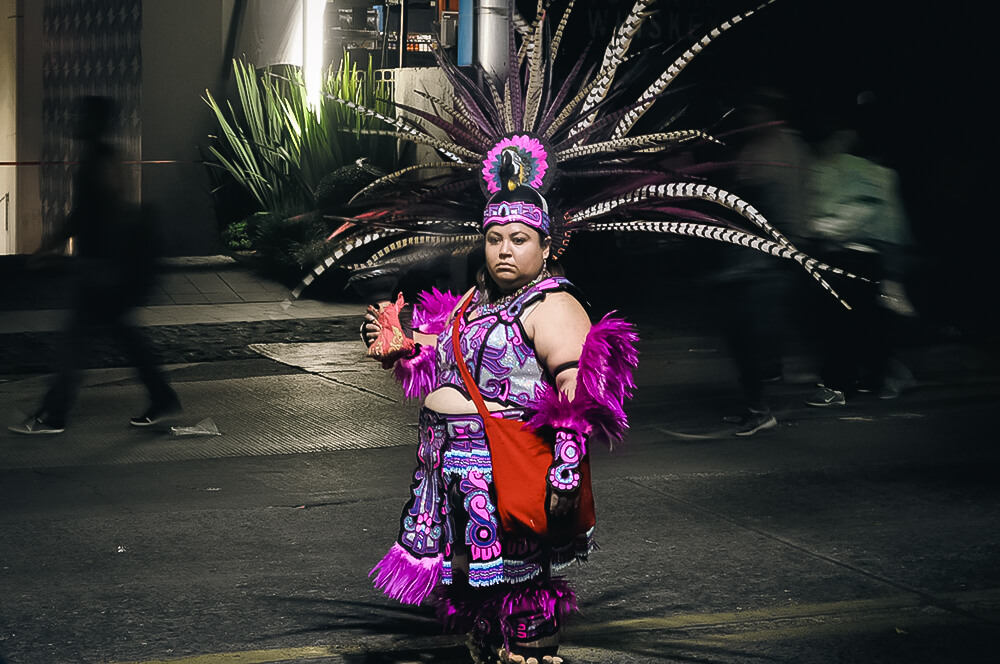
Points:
(558, 329)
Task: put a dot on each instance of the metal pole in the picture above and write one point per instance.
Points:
(492, 29)
(305, 34)
(402, 33)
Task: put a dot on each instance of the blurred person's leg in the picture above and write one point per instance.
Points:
(745, 308)
(736, 319)
(836, 340)
(876, 328)
(163, 401)
(866, 338)
(77, 339)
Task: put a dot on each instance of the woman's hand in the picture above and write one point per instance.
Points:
(370, 328)
(562, 504)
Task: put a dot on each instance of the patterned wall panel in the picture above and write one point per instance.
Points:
(91, 47)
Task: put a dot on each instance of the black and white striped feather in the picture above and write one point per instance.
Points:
(610, 177)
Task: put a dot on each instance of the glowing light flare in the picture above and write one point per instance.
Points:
(312, 49)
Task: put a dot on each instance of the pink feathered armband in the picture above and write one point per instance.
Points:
(432, 311)
(603, 382)
(430, 316)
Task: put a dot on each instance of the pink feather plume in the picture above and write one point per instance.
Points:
(417, 373)
(430, 316)
(406, 578)
(431, 311)
(603, 382)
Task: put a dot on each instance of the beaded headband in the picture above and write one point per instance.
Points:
(523, 212)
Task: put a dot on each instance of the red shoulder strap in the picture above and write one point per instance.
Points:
(463, 369)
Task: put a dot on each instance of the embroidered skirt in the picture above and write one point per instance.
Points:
(451, 517)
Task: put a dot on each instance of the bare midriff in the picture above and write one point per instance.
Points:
(449, 401)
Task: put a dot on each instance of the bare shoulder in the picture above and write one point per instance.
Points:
(558, 327)
(560, 304)
(558, 313)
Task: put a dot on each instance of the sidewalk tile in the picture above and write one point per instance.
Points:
(188, 298)
(209, 283)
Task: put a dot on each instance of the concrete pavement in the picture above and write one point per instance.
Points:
(190, 291)
(861, 535)
(314, 382)
(844, 536)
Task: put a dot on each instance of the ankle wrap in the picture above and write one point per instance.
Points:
(528, 626)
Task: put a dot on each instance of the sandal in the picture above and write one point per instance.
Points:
(531, 656)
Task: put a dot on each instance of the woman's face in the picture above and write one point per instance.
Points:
(515, 254)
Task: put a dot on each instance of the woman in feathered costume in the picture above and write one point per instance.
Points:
(517, 382)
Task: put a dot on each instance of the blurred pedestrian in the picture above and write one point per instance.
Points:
(857, 222)
(114, 271)
(752, 288)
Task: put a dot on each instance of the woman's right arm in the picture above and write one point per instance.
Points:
(431, 314)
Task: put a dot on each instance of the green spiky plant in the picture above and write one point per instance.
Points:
(278, 147)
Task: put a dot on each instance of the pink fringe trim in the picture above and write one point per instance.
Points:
(554, 409)
(603, 382)
(417, 374)
(432, 309)
(406, 578)
(552, 599)
(458, 610)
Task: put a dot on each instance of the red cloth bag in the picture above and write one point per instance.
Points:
(521, 460)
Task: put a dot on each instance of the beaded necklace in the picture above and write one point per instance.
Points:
(504, 300)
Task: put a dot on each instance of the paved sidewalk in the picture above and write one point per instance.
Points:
(190, 290)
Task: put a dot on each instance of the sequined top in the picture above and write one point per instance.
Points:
(498, 353)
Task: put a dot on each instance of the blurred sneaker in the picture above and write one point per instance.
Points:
(824, 396)
(755, 421)
(35, 426)
(888, 391)
(157, 414)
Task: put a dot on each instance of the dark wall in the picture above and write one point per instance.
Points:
(184, 53)
(928, 66)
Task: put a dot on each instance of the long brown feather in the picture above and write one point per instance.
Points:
(410, 169)
(700, 191)
(633, 143)
(676, 67)
(732, 236)
(337, 252)
(614, 55)
(536, 80)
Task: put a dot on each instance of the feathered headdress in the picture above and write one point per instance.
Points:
(567, 140)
